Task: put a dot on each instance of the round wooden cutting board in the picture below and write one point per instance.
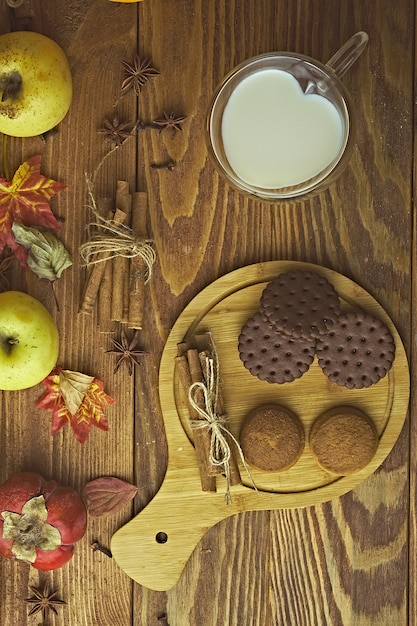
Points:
(154, 546)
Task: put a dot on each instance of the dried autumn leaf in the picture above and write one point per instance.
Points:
(47, 256)
(74, 387)
(107, 495)
(66, 386)
(25, 199)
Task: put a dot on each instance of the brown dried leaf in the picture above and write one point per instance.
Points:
(73, 387)
(107, 495)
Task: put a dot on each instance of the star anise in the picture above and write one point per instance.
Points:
(138, 74)
(4, 266)
(115, 132)
(43, 601)
(127, 351)
(171, 121)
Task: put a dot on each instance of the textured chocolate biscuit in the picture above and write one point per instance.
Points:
(300, 304)
(271, 356)
(343, 440)
(272, 438)
(357, 352)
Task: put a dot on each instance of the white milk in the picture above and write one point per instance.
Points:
(274, 135)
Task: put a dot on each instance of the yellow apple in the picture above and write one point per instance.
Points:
(29, 341)
(35, 84)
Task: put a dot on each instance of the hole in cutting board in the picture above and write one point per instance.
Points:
(161, 537)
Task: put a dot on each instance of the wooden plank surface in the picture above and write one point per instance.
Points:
(346, 562)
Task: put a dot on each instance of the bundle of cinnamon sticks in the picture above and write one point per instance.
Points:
(189, 368)
(115, 287)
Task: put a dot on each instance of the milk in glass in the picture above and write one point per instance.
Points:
(275, 135)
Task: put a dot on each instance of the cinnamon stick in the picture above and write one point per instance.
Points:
(201, 443)
(196, 374)
(235, 478)
(137, 265)
(105, 208)
(92, 283)
(205, 347)
(120, 264)
(182, 348)
(105, 323)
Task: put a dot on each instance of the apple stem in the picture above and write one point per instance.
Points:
(8, 343)
(11, 84)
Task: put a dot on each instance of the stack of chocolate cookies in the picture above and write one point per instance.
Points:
(300, 316)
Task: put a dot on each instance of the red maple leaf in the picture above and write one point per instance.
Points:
(88, 399)
(25, 199)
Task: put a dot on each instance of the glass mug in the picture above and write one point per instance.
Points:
(280, 125)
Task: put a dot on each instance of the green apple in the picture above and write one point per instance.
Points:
(29, 341)
(35, 84)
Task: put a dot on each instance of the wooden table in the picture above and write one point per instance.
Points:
(350, 561)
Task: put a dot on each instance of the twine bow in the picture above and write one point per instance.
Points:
(115, 240)
(220, 451)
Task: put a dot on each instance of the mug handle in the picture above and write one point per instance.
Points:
(344, 58)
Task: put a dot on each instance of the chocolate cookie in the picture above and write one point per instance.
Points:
(272, 438)
(300, 304)
(357, 352)
(272, 356)
(343, 440)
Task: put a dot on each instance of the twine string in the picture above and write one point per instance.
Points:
(220, 452)
(111, 239)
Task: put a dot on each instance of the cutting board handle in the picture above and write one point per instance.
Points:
(154, 547)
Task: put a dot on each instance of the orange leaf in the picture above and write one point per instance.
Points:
(107, 495)
(25, 199)
(90, 403)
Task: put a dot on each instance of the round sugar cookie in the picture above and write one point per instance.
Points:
(272, 438)
(343, 440)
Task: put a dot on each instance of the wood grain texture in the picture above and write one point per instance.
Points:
(412, 540)
(343, 563)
